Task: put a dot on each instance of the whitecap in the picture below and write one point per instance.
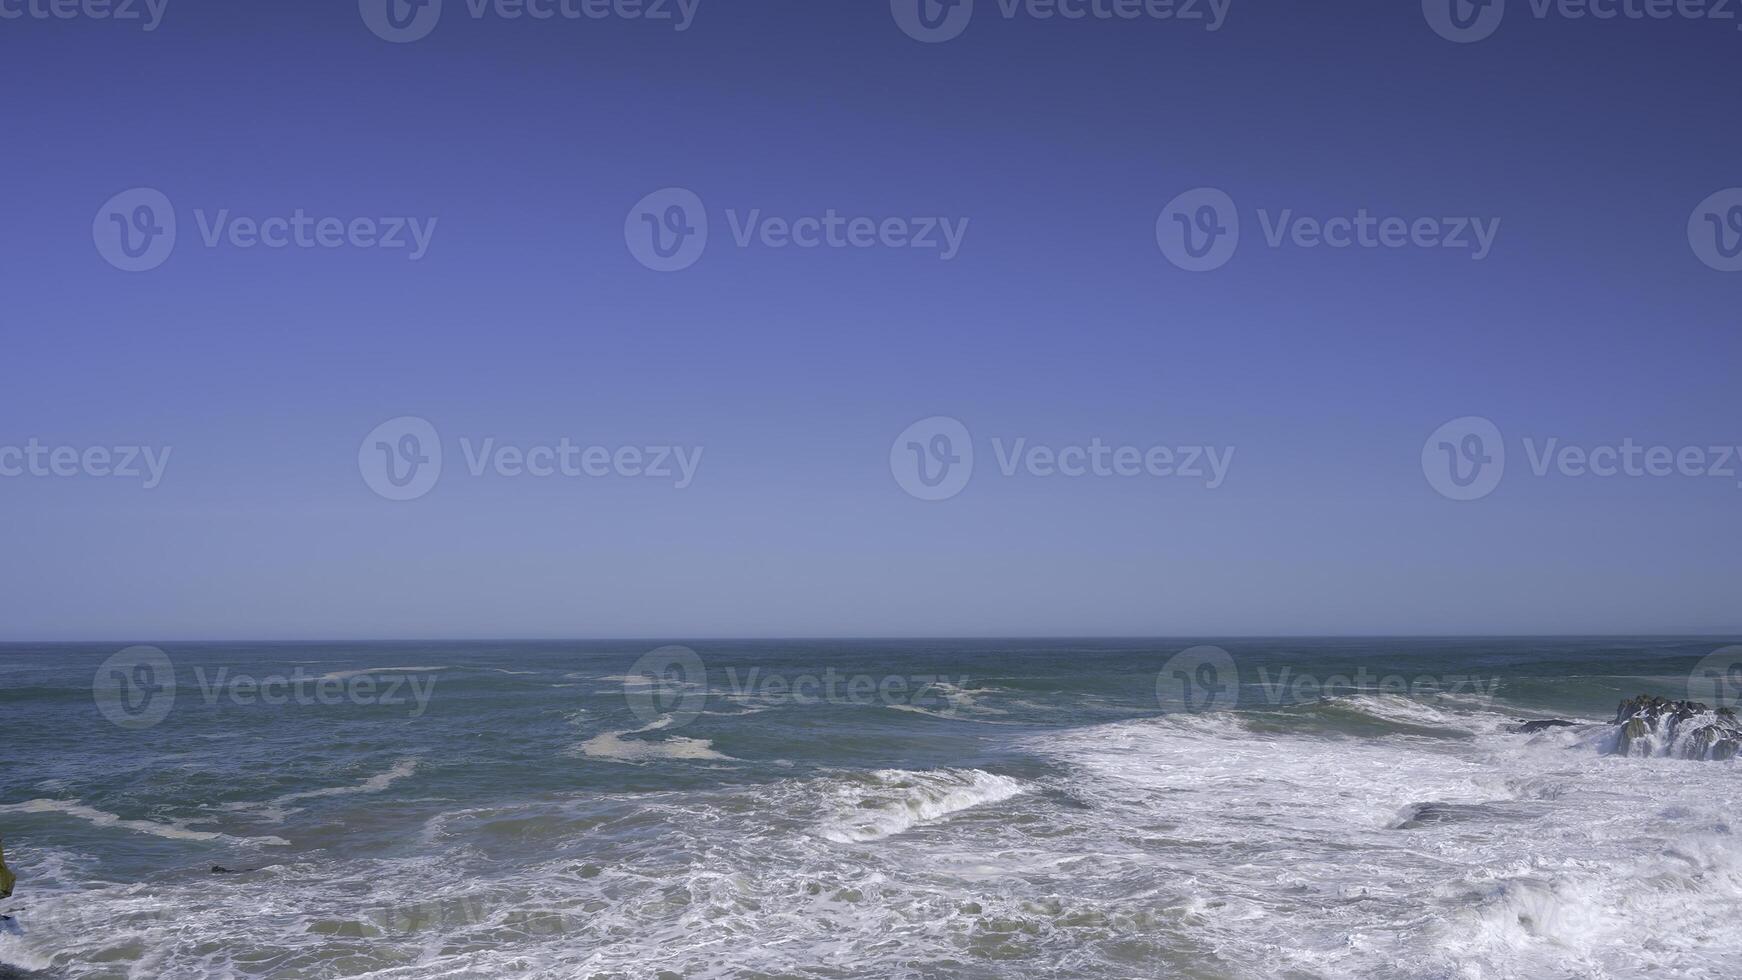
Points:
(343, 675)
(900, 800)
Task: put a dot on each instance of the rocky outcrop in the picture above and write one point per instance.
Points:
(6, 877)
(1650, 726)
(1532, 727)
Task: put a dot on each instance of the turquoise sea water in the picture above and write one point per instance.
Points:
(844, 809)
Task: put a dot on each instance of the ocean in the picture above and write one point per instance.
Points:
(829, 809)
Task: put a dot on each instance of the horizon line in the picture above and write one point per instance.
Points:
(888, 638)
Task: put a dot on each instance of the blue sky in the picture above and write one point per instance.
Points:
(1060, 321)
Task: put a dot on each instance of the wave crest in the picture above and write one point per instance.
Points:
(898, 800)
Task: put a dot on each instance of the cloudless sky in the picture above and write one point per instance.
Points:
(1059, 322)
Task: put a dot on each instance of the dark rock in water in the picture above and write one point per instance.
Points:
(1532, 727)
(1648, 726)
(219, 869)
(7, 879)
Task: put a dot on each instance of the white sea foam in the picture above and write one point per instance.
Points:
(635, 680)
(899, 801)
(1546, 856)
(374, 784)
(101, 818)
(620, 747)
(623, 746)
(14, 952)
(343, 675)
(963, 699)
(1409, 711)
(278, 809)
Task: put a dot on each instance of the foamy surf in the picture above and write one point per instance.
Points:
(1514, 855)
(898, 801)
(1375, 836)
